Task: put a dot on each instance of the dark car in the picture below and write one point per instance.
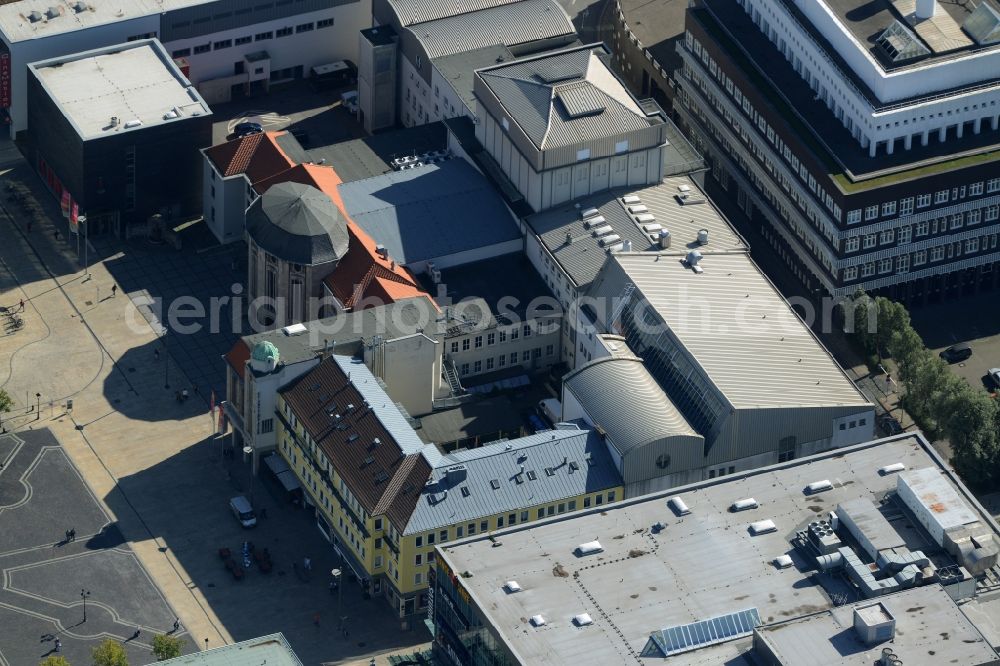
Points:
(246, 129)
(957, 353)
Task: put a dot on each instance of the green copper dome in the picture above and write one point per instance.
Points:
(264, 351)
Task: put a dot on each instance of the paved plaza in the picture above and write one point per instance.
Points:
(154, 465)
(41, 497)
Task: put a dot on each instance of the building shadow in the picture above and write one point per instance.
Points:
(184, 504)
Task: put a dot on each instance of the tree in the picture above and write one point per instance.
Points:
(166, 647)
(6, 402)
(54, 660)
(110, 653)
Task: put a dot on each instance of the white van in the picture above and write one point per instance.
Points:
(241, 508)
(551, 409)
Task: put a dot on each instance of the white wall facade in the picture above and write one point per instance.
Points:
(316, 46)
(411, 369)
(261, 395)
(903, 121)
(225, 202)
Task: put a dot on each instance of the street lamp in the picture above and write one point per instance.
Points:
(38, 406)
(83, 595)
(166, 360)
(338, 576)
(248, 452)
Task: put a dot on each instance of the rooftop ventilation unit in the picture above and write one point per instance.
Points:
(583, 620)
(683, 188)
(702, 236)
(631, 199)
(679, 506)
(744, 504)
(639, 208)
(589, 212)
(644, 218)
(891, 469)
(818, 487)
(512, 586)
(762, 527)
(35, 16)
(79, 6)
(52, 12)
(664, 239)
(626, 245)
(135, 122)
(652, 227)
(294, 329)
(610, 239)
(594, 222)
(693, 260)
(783, 561)
(537, 621)
(601, 230)
(589, 548)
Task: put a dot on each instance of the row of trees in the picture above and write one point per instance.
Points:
(112, 653)
(940, 402)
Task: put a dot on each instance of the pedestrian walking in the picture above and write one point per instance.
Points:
(114, 290)
(58, 645)
(21, 309)
(307, 564)
(137, 632)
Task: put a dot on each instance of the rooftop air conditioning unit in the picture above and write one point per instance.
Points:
(679, 506)
(589, 548)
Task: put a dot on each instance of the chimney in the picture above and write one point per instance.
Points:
(627, 246)
(380, 249)
(569, 238)
(925, 9)
(664, 239)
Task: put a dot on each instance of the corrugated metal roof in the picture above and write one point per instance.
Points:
(620, 395)
(411, 12)
(528, 90)
(507, 24)
(430, 211)
(458, 68)
(501, 462)
(583, 258)
(273, 650)
(736, 326)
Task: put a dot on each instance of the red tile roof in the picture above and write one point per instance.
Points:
(238, 356)
(258, 156)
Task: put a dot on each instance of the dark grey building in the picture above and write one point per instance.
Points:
(115, 134)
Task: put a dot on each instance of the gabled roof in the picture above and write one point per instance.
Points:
(342, 407)
(565, 98)
(258, 156)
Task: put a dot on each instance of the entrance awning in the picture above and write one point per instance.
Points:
(288, 480)
(276, 463)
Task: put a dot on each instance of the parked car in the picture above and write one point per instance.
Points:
(957, 353)
(994, 374)
(247, 128)
(240, 506)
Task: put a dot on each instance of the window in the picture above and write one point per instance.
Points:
(325, 23)
(267, 425)
(378, 523)
(502, 361)
(887, 236)
(260, 36)
(202, 48)
(378, 561)
(941, 196)
(976, 189)
(503, 336)
(491, 339)
(524, 516)
(920, 257)
(180, 53)
(479, 341)
(992, 212)
(923, 200)
(454, 347)
(243, 40)
(527, 330)
(465, 344)
(223, 44)
(888, 208)
(513, 358)
(611, 496)
(572, 505)
(418, 560)
(526, 356)
(923, 228)
(304, 27)
(937, 253)
(586, 502)
(419, 542)
(418, 578)
(903, 263)
(489, 363)
(854, 216)
(869, 241)
(459, 532)
(904, 235)
(484, 526)
(851, 273)
(430, 539)
(283, 32)
(443, 536)
(906, 206)
(583, 154)
(541, 514)
(465, 368)
(477, 366)
(957, 221)
(867, 270)
(852, 244)
(975, 216)
(599, 499)
(871, 212)
(515, 333)
(499, 522)
(972, 245)
(550, 350)
(993, 185)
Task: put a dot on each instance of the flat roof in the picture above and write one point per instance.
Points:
(583, 258)
(137, 83)
(17, 25)
(459, 68)
(657, 24)
(699, 566)
(370, 156)
(930, 630)
(735, 325)
(430, 211)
